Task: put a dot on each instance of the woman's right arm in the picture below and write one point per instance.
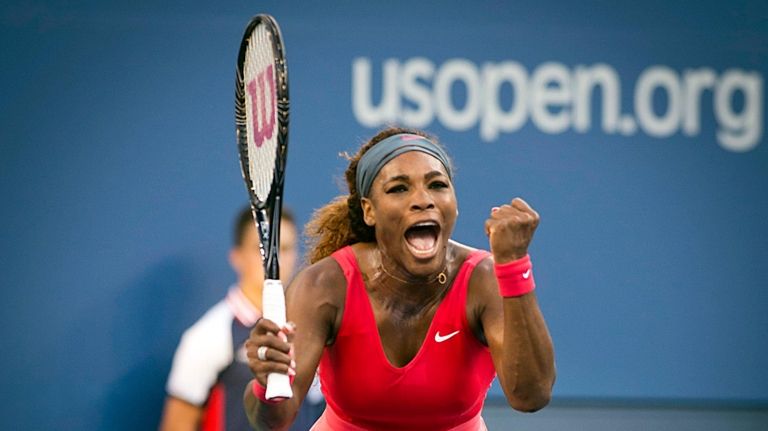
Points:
(314, 302)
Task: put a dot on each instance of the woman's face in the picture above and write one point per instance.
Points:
(412, 206)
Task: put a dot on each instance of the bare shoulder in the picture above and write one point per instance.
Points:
(315, 299)
(482, 269)
(483, 280)
(457, 253)
(321, 282)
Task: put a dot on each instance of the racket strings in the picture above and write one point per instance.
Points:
(261, 123)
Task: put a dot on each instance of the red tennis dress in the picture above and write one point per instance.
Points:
(442, 388)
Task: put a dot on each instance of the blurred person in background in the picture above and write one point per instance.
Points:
(210, 370)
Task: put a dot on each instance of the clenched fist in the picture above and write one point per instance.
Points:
(510, 229)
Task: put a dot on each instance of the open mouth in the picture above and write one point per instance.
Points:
(422, 238)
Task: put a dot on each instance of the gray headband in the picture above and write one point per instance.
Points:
(380, 154)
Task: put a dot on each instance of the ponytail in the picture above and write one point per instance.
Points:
(336, 225)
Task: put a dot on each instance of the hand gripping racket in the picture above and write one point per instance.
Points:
(261, 120)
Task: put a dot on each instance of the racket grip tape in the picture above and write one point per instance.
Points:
(273, 306)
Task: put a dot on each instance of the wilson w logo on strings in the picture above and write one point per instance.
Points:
(262, 104)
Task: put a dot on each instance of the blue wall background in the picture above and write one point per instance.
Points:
(119, 182)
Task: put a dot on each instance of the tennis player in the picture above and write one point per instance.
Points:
(408, 327)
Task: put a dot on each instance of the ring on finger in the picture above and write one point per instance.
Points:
(261, 353)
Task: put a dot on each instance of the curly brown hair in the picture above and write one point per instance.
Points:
(340, 222)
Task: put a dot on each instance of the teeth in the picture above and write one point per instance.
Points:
(425, 223)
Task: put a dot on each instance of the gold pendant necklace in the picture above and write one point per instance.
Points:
(440, 278)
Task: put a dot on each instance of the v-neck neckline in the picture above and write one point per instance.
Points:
(372, 319)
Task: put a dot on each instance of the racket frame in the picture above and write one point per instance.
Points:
(266, 213)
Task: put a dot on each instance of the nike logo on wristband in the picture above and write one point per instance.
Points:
(440, 339)
(526, 274)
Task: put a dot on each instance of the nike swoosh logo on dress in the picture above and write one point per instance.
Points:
(440, 339)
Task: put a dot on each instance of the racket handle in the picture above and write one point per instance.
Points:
(278, 386)
(273, 305)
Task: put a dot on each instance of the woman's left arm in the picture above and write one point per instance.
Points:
(510, 320)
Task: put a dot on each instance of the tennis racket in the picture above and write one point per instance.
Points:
(261, 119)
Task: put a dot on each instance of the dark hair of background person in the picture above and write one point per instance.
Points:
(245, 218)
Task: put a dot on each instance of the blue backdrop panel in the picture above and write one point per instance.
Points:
(636, 130)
